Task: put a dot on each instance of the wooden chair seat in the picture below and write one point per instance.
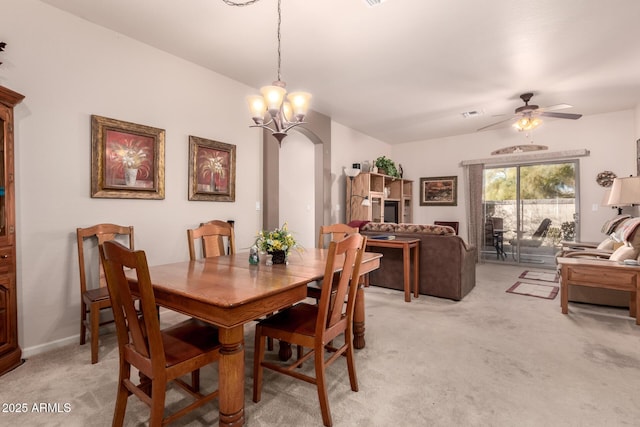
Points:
(298, 319)
(97, 295)
(189, 339)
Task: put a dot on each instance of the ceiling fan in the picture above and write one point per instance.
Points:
(527, 116)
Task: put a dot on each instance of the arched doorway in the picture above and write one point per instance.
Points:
(318, 131)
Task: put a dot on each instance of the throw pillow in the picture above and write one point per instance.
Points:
(624, 252)
(606, 244)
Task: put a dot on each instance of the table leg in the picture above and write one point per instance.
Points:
(564, 290)
(231, 377)
(416, 267)
(358, 320)
(406, 261)
(284, 351)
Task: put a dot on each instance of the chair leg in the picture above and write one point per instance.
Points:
(321, 383)
(122, 396)
(351, 367)
(195, 380)
(95, 327)
(158, 394)
(83, 327)
(257, 364)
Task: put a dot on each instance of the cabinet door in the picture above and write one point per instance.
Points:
(6, 177)
(7, 335)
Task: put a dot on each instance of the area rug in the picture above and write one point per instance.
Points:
(544, 276)
(534, 289)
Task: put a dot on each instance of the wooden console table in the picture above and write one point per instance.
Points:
(599, 273)
(406, 244)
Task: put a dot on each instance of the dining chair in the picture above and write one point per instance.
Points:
(334, 232)
(160, 356)
(212, 235)
(313, 326)
(453, 224)
(94, 295)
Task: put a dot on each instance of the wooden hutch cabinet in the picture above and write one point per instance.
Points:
(391, 198)
(10, 353)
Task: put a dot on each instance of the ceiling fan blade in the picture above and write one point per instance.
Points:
(562, 115)
(557, 107)
(496, 123)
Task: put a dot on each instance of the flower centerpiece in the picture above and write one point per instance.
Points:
(277, 243)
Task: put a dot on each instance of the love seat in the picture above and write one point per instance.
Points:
(447, 262)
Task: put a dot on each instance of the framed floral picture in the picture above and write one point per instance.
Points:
(439, 191)
(212, 170)
(127, 160)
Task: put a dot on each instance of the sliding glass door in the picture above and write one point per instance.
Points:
(528, 209)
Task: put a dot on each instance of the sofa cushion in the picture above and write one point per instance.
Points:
(624, 252)
(390, 227)
(606, 244)
(441, 230)
(384, 227)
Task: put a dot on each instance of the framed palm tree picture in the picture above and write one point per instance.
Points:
(212, 170)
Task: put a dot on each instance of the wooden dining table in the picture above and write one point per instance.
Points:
(229, 292)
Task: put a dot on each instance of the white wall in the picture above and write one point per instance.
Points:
(297, 195)
(347, 147)
(69, 69)
(609, 137)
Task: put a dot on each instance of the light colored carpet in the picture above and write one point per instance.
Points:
(490, 360)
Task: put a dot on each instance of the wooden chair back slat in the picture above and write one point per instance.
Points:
(212, 236)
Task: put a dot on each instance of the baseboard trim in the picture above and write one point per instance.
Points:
(43, 348)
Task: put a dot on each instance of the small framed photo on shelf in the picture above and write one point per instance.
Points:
(127, 160)
(439, 191)
(212, 170)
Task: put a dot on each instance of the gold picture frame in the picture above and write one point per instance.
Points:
(127, 160)
(212, 170)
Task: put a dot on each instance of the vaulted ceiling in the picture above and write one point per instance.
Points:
(404, 70)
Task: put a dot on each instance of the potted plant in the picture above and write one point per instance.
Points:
(277, 243)
(387, 167)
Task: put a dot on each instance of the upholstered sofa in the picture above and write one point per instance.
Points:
(447, 262)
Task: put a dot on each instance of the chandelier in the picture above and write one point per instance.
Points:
(274, 109)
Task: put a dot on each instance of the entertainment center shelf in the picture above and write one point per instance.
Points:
(391, 198)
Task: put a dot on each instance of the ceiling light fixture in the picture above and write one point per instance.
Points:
(527, 122)
(284, 111)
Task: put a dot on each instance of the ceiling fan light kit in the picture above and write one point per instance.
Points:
(527, 116)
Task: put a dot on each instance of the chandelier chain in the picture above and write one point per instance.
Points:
(279, 51)
(233, 3)
(250, 2)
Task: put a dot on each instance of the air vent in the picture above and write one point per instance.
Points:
(372, 3)
(473, 113)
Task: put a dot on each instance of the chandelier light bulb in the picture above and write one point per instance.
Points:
(273, 96)
(257, 107)
(300, 104)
